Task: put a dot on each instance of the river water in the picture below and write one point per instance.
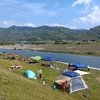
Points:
(61, 57)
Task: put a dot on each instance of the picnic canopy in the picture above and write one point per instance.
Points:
(48, 59)
(36, 57)
(78, 65)
(82, 72)
(74, 80)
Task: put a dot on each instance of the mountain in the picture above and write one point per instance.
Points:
(47, 33)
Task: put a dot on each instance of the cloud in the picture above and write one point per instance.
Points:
(61, 25)
(20, 7)
(54, 24)
(39, 8)
(51, 13)
(12, 1)
(8, 23)
(93, 17)
(86, 2)
(56, 5)
(30, 25)
(72, 27)
(75, 20)
(36, 8)
(4, 22)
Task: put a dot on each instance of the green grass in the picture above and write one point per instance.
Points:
(14, 86)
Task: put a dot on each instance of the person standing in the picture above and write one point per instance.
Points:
(88, 68)
(43, 82)
(69, 66)
(40, 73)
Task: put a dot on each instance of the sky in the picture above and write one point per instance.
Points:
(73, 14)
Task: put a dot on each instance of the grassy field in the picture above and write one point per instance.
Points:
(14, 86)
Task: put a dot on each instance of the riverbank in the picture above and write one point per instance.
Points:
(67, 58)
(81, 49)
(19, 47)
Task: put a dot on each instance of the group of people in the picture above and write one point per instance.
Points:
(40, 76)
(14, 67)
(64, 84)
(9, 58)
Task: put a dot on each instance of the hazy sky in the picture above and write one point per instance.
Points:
(74, 14)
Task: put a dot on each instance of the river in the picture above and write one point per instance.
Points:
(61, 57)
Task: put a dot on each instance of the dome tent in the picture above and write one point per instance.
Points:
(30, 74)
(74, 80)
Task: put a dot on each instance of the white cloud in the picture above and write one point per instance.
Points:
(54, 24)
(19, 6)
(72, 27)
(4, 22)
(93, 17)
(36, 8)
(61, 25)
(30, 25)
(8, 23)
(86, 2)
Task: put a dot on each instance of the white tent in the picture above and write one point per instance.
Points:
(81, 72)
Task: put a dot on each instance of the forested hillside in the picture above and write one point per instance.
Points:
(46, 33)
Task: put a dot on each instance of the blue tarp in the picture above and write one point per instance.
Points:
(70, 74)
(29, 74)
(78, 65)
(48, 59)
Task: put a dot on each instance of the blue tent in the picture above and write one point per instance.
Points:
(48, 59)
(70, 74)
(78, 65)
(29, 74)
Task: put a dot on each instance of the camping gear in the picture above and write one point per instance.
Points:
(85, 95)
(74, 80)
(54, 87)
(48, 59)
(2, 53)
(33, 61)
(36, 57)
(78, 65)
(82, 72)
(29, 74)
